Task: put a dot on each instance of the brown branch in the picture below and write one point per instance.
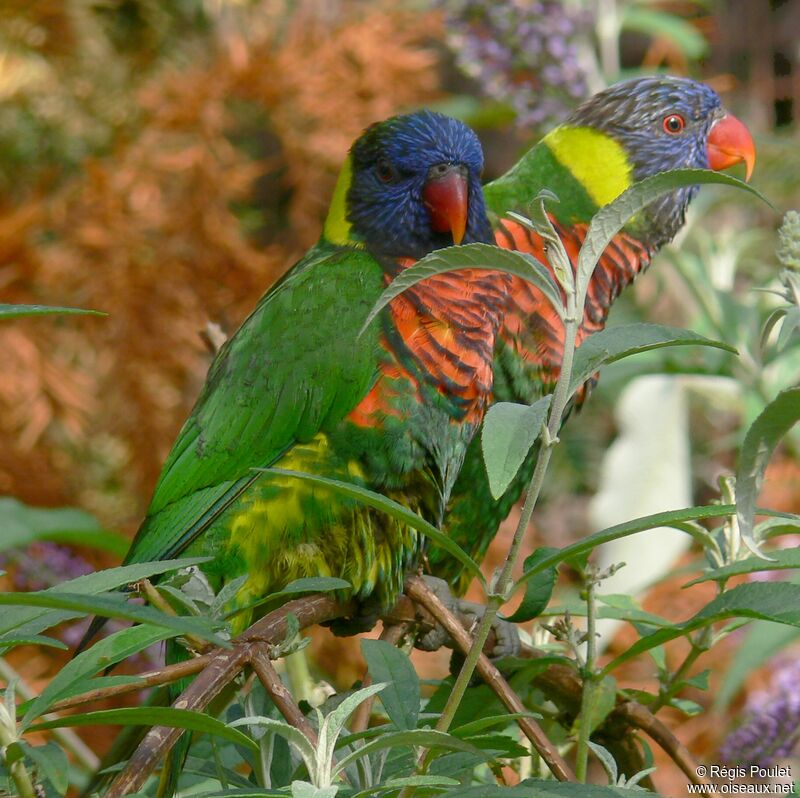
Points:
(418, 590)
(563, 686)
(170, 673)
(219, 672)
(277, 691)
(635, 714)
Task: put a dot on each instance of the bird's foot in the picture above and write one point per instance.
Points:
(437, 637)
(506, 636)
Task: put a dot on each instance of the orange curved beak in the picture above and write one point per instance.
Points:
(446, 196)
(729, 143)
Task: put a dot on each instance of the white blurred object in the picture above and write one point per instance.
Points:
(646, 470)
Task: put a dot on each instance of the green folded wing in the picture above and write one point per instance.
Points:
(294, 368)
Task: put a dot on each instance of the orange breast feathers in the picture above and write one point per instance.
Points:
(532, 327)
(442, 333)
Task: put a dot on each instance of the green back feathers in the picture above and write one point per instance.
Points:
(259, 401)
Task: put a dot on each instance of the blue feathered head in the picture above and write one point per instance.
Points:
(415, 186)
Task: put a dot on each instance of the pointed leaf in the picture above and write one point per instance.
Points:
(51, 762)
(768, 601)
(416, 737)
(602, 703)
(290, 733)
(152, 716)
(391, 508)
(101, 655)
(777, 418)
(34, 620)
(338, 717)
(476, 726)
(606, 760)
(674, 518)
(509, 432)
(302, 789)
(538, 589)
(611, 218)
(17, 311)
(470, 256)
(114, 606)
(615, 343)
(22, 525)
(408, 781)
(400, 698)
(780, 560)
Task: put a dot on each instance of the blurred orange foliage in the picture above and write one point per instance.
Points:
(149, 233)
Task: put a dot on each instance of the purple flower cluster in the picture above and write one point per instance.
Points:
(42, 565)
(522, 52)
(772, 730)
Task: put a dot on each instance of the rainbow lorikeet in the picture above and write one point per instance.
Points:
(619, 136)
(297, 388)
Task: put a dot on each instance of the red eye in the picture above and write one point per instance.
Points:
(385, 170)
(674, 123)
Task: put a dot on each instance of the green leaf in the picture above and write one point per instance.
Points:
(113, 606)
(400, 697)
(538, 590)
(615, 343)
(416, 737)
(768, 601)
(152, 716)
(303, 789)
(242, 792)
(606, 760)
(470, 256)
(699, 680)
(673, 518)
(22, 525)
(34, 640)
(51, 762)
(101, 655)
(611, 218)
(791, 322)
(662, 24)
(407, 781)
(29, 620)
(777, 418)
(602, 702)
(541, 788)
(509, 432)
(281, 727)
(468, 729)
(17, 311)
(391, 508)
(689, 708)
(780, 559)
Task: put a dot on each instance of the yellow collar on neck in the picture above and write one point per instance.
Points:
(596, 160)
(337, 228)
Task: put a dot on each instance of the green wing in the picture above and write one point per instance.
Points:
(294, 368)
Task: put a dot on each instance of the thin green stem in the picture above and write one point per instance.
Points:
(700, 644)
(589, 680)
